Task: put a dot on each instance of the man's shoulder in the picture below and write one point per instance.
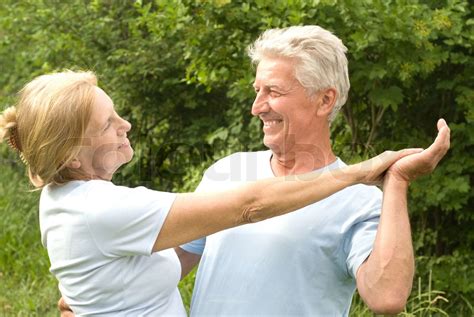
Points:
(239, 167)
(253, 154)
(241, 159)
(359, 197)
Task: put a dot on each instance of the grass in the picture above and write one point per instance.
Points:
(26, 287)
(422, 303)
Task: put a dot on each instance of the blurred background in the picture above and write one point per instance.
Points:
(178, 71)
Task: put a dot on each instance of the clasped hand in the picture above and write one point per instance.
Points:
(406, 165)
(412, 166)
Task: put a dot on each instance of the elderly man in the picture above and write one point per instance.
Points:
(307, 263)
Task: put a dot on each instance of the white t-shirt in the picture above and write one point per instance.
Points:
(299, 264)
(99, 238)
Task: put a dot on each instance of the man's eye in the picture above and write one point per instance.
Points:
(275, 93)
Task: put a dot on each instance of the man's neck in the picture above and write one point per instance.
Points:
(299, 162)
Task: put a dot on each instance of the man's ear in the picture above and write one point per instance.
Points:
(326, 100)
(74, 164)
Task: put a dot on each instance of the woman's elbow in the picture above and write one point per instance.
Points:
(252, 213)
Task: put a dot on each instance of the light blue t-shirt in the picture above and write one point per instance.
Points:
(299, 264)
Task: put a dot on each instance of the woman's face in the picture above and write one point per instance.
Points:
(105, 147)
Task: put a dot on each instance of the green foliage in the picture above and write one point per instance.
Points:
(425, 303)
(186, 288)
(177, 69)
(26, 287)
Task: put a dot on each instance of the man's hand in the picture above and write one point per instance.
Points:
(372, 171)
(64, 308)
(410, 167)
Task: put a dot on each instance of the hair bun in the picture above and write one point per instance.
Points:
(8, 128)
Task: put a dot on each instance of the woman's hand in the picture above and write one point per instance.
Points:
(64, 308)
(372, 171)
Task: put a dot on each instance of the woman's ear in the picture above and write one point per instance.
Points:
(326, 100)
(74, 164)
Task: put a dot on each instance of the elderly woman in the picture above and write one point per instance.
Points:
(110, 246)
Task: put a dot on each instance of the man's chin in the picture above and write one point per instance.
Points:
(272, 145)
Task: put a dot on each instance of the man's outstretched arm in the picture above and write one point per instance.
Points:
(385, 279)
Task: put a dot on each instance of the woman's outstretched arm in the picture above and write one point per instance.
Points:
(194, 215)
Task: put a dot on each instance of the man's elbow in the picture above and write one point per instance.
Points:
(390, 304)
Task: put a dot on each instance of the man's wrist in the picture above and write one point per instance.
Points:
(395, 179)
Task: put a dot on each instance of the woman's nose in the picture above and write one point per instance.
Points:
(125, 126)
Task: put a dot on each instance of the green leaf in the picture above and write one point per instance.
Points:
(387, 97)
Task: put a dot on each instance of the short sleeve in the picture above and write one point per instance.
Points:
(359, 240)
(360, 244)
(125, 221)
(196, 246)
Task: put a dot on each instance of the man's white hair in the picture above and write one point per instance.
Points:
(320, 58)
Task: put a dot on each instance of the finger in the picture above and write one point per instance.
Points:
(60, 303)
(387, 158)
(63, 306)
(441, 144)
(436, 151)
(444, 131)
(406, 152)
(381, 162)
(369, 169)
(441, 123)
(447, 138)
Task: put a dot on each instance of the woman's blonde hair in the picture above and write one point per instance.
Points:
(48, 123)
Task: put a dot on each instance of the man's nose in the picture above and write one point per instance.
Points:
(260, 105)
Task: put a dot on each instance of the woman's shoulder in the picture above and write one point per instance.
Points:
(77, 195)
(101, 197)
(73, 189)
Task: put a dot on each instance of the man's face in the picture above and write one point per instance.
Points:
(287, 112)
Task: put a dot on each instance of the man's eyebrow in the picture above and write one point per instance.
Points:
(271, 86)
